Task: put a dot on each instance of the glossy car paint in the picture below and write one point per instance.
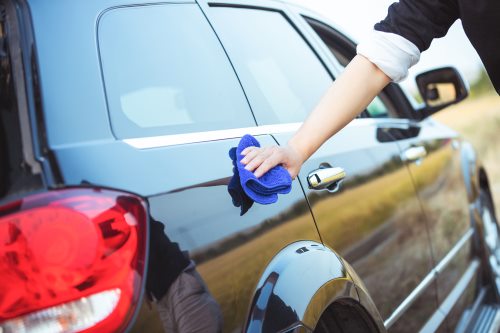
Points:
(243, 258)
(439, 181)
(446, 202)
(227, 248)
(375, 220)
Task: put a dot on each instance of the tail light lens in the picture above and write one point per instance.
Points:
(71, 260)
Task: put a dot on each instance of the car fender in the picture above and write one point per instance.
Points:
(301, 281)
(469, 164)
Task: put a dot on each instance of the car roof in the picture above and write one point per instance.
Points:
(271, 4)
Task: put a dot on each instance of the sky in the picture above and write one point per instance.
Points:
(357, 18)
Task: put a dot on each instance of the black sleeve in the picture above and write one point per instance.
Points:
(420, 21)
(166, 261)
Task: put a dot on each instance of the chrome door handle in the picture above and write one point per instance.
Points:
(326, 178)
(414, 154)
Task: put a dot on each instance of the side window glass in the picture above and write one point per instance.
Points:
(340, 47)
(282, 76)
(165, 72)
(377, 109)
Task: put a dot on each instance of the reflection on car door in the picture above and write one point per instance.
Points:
(175, 133)
(230, 251)
(374, 220)
(390, 104)
(432, 154)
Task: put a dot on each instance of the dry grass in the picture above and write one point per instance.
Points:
(478, 120)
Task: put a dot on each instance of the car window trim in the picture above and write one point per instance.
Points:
(287, 16)
(168, 2)
(392, 91)
(168, 140)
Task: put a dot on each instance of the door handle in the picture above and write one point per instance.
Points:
(328, 178)
(414, 154)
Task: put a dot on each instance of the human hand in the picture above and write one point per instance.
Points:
(263, 159)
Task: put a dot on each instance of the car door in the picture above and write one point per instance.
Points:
(405, 311)
(433, 155)
(373, 219)
(176, 109)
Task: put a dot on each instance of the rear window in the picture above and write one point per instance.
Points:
(165, 72)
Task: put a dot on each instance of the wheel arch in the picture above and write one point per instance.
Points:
(470, 169)
(475, 179)
(301, 282)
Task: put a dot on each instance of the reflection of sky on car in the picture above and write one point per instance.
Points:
(454, 49)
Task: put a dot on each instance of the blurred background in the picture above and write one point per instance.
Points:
(477, 118)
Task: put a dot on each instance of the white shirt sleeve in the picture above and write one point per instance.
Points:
(393, 54)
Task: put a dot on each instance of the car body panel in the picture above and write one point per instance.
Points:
(240, 257)
(439, 181)
(374, 221)
(227, 247)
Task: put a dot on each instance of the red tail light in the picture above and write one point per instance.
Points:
(71, 260)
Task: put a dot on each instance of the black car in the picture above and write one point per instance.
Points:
(116, 119)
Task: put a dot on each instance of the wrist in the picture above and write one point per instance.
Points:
(299, 151)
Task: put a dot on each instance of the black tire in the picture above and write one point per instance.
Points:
(345, 317)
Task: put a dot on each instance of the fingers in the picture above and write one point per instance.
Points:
(258, 159)
(261, 160)
(249, 154)
(266, 165)
(248, 149)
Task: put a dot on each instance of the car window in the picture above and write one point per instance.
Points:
(165, 72)
(377, 108)
(344, 50)
(282, 76)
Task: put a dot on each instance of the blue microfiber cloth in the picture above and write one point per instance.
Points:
(240, 198)
(263, 190)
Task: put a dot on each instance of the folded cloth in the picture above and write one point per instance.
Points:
(240, 198)
(263, 190)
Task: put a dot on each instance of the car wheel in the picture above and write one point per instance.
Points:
(491, 243)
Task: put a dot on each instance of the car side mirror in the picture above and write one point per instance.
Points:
(440, 88)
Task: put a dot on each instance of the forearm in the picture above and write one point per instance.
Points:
(349, 95)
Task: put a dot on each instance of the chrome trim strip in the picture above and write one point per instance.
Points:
(410, 299)
(428, 279)
(444, 309)
(197, 137)
(473, 313)
(295, 328)
(186, 138)
(495, 326)
(453, 252)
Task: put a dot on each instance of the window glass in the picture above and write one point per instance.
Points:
(280, 73)
(165, 72)
(377, 109)
(338, 45)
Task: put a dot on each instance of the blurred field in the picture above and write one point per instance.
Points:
(478, 120)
